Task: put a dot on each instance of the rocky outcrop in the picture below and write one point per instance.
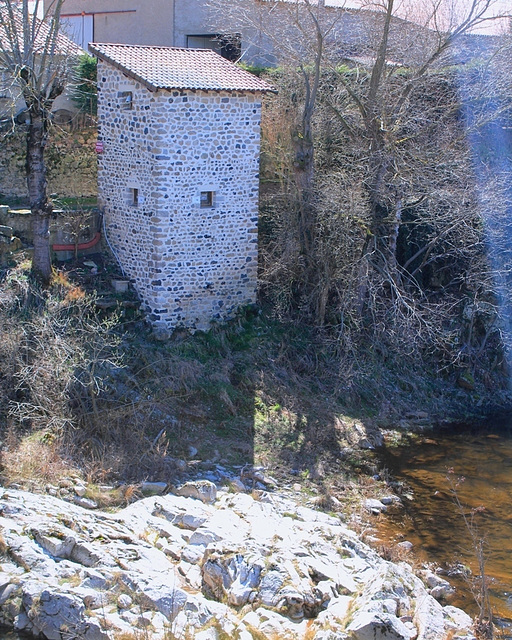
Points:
(214, 565)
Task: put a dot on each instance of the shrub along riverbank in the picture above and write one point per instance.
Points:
(91, 389)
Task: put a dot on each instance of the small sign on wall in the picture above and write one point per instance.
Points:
(99, 146)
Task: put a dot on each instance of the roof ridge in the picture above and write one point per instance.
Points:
(148, 46)
(159, 67)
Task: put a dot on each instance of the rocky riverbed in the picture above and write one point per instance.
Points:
(210, 564)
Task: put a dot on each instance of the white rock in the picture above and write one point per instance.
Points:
(56, 546)
(232, 576)
(260, 556)
(237, 485)
(334, 572)
(252, 619)
(203, 490)
(274, 623)
(429, 619)
(124, 601)
(327, 590)
(374, 505)
(193, 553)
(367, 625)
(91, 598)
(86, 503)
(166, 598)
(242, 633)
(209, 634)
(80, 490)
(329, 634)
(153, 488)
(457, 619)
(269, 588)
(442, 591)
(412, 629)
(192, 574)
(338, 609)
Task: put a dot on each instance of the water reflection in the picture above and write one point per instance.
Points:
(432, 522)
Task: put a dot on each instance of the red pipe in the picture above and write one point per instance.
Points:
(80, 247)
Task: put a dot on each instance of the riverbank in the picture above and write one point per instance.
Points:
(215, 559)
(460, 482)
(96, 405)
(87, 386)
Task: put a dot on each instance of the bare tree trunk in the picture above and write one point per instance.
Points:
(40, 206)
(304, 173)
(304, 163)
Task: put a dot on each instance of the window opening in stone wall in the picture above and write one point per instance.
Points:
(135, 197)
(206, 199)
(125, 99)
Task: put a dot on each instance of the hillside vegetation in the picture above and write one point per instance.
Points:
(411, 269)
(382, 306)
(92, 392)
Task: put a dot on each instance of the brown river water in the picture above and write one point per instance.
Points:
(477, 464)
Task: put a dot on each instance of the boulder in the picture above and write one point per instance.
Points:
(230, 577)
(203, 490)
(53, 614)
(368, 625)
(270, 587)
(374, 506)
(153, 488)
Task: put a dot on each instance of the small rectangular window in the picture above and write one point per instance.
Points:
(135, 197)
(125, 100)
(206, 199)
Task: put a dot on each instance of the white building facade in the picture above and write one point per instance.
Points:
(178, 178)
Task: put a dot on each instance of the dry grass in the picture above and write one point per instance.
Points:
(82, 394)
(32, 460)
(68, 404)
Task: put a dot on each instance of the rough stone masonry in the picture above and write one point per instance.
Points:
(178, 181)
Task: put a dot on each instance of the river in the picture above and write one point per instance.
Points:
(477, 466)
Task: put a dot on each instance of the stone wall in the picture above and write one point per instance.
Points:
(71, 161)
(190, 263)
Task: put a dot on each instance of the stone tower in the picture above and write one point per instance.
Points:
(178, 178)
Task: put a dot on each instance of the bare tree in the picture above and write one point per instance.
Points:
(398, 260)
(35, 61)
(293, 34)
(308, 36)
(379, 121)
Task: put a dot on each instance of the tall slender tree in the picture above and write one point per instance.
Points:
(35, 62)
(293, 34)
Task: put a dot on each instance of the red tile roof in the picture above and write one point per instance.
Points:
(174, 68)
